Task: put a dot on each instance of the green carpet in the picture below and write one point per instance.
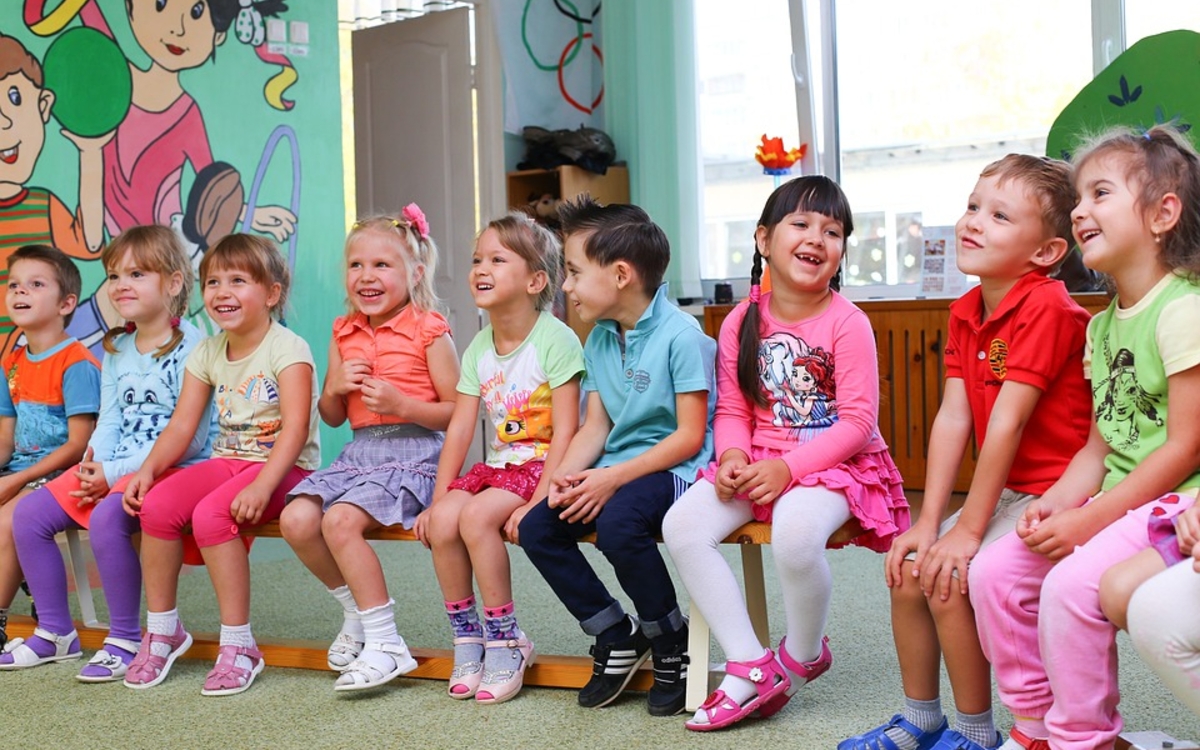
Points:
(288, 708)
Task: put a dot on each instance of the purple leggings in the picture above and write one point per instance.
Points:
(35, 522)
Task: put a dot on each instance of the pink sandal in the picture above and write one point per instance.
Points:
(226, 677)
(808, 670)
(769, 679)
(466, 676)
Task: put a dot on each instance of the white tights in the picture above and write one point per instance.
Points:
(1164, 622)
(804, 519)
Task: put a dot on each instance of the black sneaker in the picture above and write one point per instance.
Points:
(3, 630)
(613, 666)
(669, 692)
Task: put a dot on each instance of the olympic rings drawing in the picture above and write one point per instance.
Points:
(570, 51)
(562, 86)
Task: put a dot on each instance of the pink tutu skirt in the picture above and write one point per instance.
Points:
(872, 486)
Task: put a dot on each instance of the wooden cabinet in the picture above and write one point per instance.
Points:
(567, 182)
(909, 337)
(564, 183)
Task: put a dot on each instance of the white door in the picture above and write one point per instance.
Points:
(414, 140)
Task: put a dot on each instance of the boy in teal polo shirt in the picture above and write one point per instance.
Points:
(651, 394)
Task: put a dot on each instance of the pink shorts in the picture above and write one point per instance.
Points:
(519, 479)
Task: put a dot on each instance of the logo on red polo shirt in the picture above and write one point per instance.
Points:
(998, 358)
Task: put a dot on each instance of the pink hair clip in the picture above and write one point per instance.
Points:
(755, 294)
(174, 321)
(413, 214)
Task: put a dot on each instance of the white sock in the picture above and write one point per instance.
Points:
(162, 623)
(352, 622)
(240, 636)
(379, 627)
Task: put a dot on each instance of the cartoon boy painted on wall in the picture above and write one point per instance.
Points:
(34, 215)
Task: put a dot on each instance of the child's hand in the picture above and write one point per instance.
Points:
(558, 485)
(349, 377)
(1187, 530)
(382, 397)
(1057, 535)
(728, 474)
(135, 492)
(590, 490)
(10, 486)
(951, 553)
(917, 539)
(421, 527)
(93, 486)
(513, 524)
(764, 481)
(248, 506)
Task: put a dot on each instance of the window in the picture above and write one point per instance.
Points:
(927, 94)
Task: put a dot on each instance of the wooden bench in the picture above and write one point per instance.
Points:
(548, 670)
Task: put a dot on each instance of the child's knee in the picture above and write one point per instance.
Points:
(909, 592)
(344, 523)
(301, 520)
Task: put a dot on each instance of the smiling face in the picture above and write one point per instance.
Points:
(376, 278)
(236, 302)
(804, 250)
(34, 297)
(24, 112)
(500, 277)
(140, 295)
(593, 289)
(176, 34)
(1110, 227)
(1001, 230)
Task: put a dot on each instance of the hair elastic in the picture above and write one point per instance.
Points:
(755, 294)
(130, 326)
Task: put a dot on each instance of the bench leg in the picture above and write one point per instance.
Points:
(83, 587)
(756, 591)
(699, 643)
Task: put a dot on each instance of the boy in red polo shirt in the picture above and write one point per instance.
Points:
(1014, 378)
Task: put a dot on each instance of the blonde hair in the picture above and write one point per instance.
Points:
(156, 249)
(414, 251)
(538, 247)
(254, 255)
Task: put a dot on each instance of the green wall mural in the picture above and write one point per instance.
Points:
(210, 116)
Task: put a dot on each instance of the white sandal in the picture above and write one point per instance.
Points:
(363, 675)
(103, 660)
(342, 652)
(24, 656)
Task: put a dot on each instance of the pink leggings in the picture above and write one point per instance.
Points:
(200, 496)
(1052, 650)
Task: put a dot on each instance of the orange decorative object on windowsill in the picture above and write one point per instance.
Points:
(774, 158)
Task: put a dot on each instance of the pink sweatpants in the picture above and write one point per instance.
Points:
(200, 495)
(1052, 650)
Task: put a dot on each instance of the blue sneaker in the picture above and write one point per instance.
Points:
(952, 740)
(877, 740)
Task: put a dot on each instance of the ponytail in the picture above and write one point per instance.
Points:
(749, 339)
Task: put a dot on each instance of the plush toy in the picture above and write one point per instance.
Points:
(585, 147)
(544, 210)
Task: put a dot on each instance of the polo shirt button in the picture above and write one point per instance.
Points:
(629, 373)
(982, 355)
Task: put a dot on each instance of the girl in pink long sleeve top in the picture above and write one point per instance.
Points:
(797, 445)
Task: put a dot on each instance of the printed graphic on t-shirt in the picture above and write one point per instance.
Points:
(1119, 400)
(516, 399)
(243, 430)
(998, 358)
(798, 380)
(528, 420)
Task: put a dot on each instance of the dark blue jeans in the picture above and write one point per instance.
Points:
(626, 533)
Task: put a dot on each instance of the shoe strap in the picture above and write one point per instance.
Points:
(59, 641)
(125, 645)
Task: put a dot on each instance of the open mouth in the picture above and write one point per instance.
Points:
(810, 259)
(370, 293)
(483, 287)
(225, 309)
(9, 155)
(21, 306)
(1088, 234)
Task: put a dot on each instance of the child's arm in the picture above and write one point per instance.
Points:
(194, 400)
(341, 379)
(948, 440)
(1187, 529)
(564, 415)
(382, 397)
(1059, 533)
(454, 453)
(585, 447)
(1015, 404)
(8, 431)
(295, 403)
(592, 488)
(79, 429)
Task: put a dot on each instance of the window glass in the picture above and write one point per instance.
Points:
(746, 90)
(1144, 19)
(928, 94)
